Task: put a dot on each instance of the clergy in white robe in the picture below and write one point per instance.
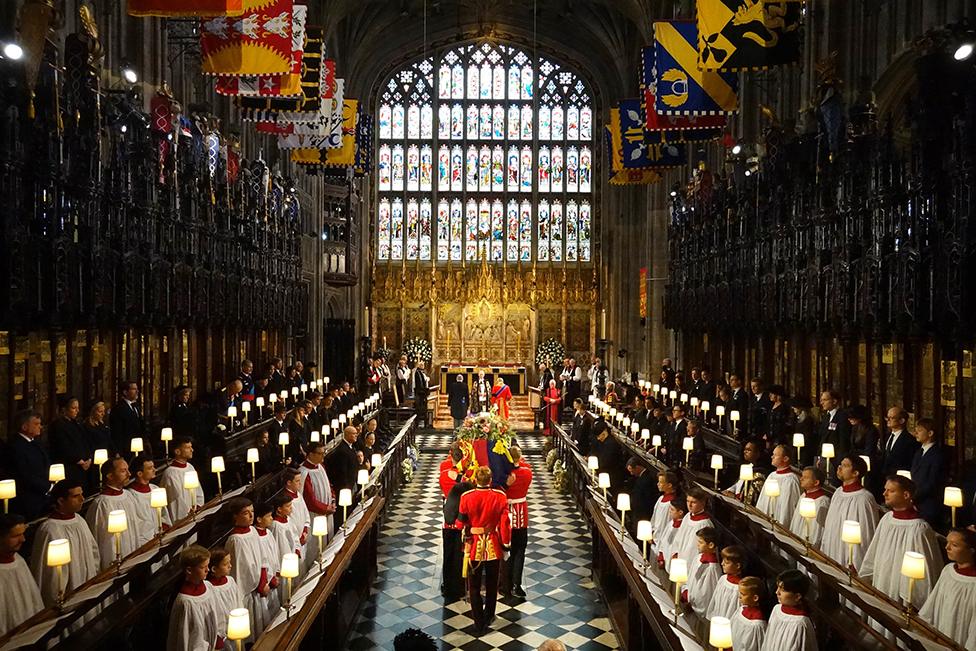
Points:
(20, 598)
(900, 531)
(317, 494)
(113, 497)
(789, 629)
(724, 601)
(144, 471)
(685, 544)
(811, 481)
(193, 618)
(780, 508)
(172, 481)
(951, 606)
(250, 570)
(300, 518)
(851, 502)
(64, 522)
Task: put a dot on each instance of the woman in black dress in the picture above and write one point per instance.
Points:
(69, 441)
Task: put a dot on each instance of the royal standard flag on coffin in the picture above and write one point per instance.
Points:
(749, 34)
(682, 87)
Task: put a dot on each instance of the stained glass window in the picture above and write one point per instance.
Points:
(485, 151)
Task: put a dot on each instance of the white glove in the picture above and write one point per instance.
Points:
(506, 555)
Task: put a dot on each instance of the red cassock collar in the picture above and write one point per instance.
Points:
(193, 590)
(7, 558)
(733, 579)
(261, 532)
(905, 514)
(140, 488)
(676, 522)
(964, 571)
(178, 464)
(708, 557)
(751, 612)
(281, 520)
(113, 492)
(241, 530)
(784, 471)
(218, 580)
(55, 515)
(814, 494)
(667, 497)
(290, 494)
(794, 610)
(850, 488)
(699, 517)
(309, 465)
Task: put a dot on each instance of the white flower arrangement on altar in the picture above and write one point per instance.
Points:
(550, 352)
(417, 349)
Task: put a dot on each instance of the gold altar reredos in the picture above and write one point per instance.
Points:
(485, 313)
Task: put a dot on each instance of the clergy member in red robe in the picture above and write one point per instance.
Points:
(501, 395)
(553, 399)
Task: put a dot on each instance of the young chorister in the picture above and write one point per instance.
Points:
(250, 569)
(704, 571)
(263, 521)
(227, 594)
(20, 597)
(282, 529)
(748, 623)
(667, 484)
(677, 508)
(685, 541)
(790, 627)
(725, 598)
(812, 480)
(193, 617)
(951, 607)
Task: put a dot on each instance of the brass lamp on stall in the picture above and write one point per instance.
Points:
(720, 412)
(294, 394)
(644, 534)
(217, 466)
(232, 416)
(705, 406)
(913, 568)
(746, 476)
(684, 398)
(289, 571)
(952, 497)
(191, 482)
(8, 491)
(673, 395)
(376, 461)
(259, 403)
(326, 432)
(720, 633)
(593, 463)
(907, 474)
(678, 574)
(283, 442)
(314, 437)
(55, 473)
(623, 505)
(867, 461)
(687, 444)
(59, 555)
(283, 396)
(656, 442)
(734, 417)
(694, 404)
(166, 435)
(634, 428)
(158, 500)
(771, 488)
(304, 389)
(239, 626)
(335, 426)
(320, 529)
(245, 409)
(135, 445)
(827, 452)
(808, 511)
(253, 456)
(645, 436)
(345, 501)
(718, 463)
(272, 399)
(362, 478)
(850, 533)
(99, 457)
(117, 523)
(799, 440)
(603, 481)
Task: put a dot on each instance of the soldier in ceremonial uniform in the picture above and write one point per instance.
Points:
(452, 487)
(518, 512)
(487, 535)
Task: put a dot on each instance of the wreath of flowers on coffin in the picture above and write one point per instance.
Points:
(488, 432)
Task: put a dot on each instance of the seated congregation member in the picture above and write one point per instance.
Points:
(749, 623)
(951, 606)
(193, 618)
(686, 541)
(172, 480)
(68, 441)
(145, 472)
(928, 473)
(789, 488)
(704, 571)
(114, 497)
(300, 519)
(271, 559)
(900, 530)
(20, 597)
(758, 412)
(250, 569)
(642, 490)
(667, 484)
(64, 522)
(850, 502)
(29, 464)
(790, 627)
(724, 600)
(811, 482)
(226, 593)
(677, 509)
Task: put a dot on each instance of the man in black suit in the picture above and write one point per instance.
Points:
(643, 490)
(834, 427)
(677, 431)
(345, 462)
(126, 420)
(276, 381)
(421, 390)
(582, 422)
(759, 406)
(707, 390)
(29, 465)
(645, 416)
(738, 401)
(928, 473)
(898, 448)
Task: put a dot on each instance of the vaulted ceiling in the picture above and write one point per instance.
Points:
(601, 38)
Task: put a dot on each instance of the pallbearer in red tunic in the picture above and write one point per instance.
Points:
(453, 487)
(501, 395)
(488, 533)
(518, 513)
(553, 400)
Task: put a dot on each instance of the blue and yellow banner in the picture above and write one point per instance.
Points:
(738, 35)
(639, 148)
(682, 87)
(616, 174)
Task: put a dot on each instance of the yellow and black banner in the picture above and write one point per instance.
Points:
(749, 34)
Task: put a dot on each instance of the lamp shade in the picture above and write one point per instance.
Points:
(867, 461)
(8, 489)
(232, 412)
(907, 474)
(273, 398)
(771, 487)
(166, 434)
(593, 463)
(363, 477)
(645, 435)
(734, 415)
(827, 450)
(656, 440)
(678, 572)
(623, 502)
(100, 456)
(657, 388)
(304, 387)
(673, 394)
(327, 379)
(55, 473)
(684, 397)
(157, 497)
(345, 497)
(799, 440)
(320, 525)
(335, 424)
(253, 456)
(246, 406)
(913, 565)
(342, 419)
(604, 480)
(117, 522)
(135, 445)
(717, 462)
(688, 443)
(720, 410)
(851, 532)
(705, 405)
(644, 531)
(808, 508)
(635, 427)
(326, 432)
(283, 395)
(283, 438)
(238, 624)
(720, 633)
(217, 464)
(58, 552)
(664, 391)
(294, 391)
(314, 437)
(626, 422)
(745, 472)
(952, 496)
(289, 566)
(613, 412)
(191, 480)
(694, 401)
(376, 460)
(259, 401)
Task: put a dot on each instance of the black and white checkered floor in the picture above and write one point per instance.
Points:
(562, 602)
(440, 440)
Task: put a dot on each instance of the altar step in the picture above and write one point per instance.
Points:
(520, 417)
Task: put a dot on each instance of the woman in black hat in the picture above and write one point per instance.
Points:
(780, 418)
(804, 424)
